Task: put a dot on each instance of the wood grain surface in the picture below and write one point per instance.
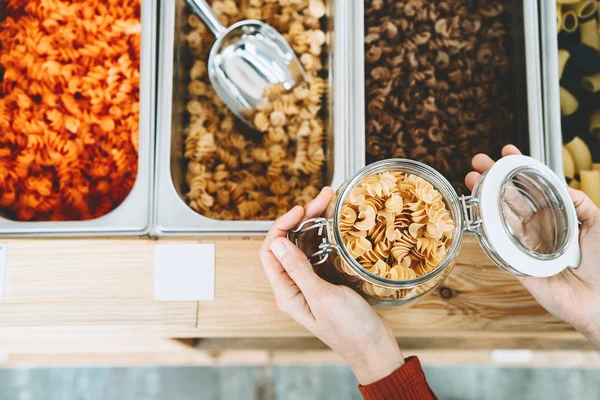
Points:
(85, 283)
(477, 297)
(103, 287)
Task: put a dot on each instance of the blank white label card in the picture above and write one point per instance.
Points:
(184, 272)
(512, 356)
(3, 253)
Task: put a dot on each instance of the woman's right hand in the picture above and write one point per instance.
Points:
(335, 314)
(574, 294)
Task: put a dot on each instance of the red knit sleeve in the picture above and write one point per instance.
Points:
(406, 383)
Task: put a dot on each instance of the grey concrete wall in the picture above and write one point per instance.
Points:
(286, 383)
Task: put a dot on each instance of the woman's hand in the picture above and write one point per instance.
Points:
(574, 294)
(335, 314)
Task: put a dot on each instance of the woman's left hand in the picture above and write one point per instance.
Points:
(335, 314)
(574, 294)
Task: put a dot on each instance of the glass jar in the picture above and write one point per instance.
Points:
(520, 212)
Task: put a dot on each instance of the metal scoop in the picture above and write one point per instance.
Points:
(248, 59)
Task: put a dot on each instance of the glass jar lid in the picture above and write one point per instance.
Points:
(524, 218)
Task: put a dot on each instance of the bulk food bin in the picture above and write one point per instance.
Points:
(133, 215)
(567, 75)
(520, 212)
(523, 86)
(173, 216)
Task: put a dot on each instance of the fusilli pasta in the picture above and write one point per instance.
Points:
(69, 107)
(396, 226)
(269, 173)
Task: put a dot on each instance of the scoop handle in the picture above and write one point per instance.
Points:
(203, 10)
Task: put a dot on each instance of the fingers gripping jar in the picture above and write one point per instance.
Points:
(520, 212)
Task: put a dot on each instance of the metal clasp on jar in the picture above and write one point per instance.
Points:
(472, 219)
(325, 247)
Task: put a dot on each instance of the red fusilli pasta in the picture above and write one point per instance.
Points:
(69, 107)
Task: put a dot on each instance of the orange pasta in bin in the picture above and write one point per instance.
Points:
(69, 107)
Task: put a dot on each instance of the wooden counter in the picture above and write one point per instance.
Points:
(62, 291)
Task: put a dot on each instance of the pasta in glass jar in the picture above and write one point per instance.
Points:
(393, 230)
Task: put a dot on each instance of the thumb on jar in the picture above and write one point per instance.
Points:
(298, 267)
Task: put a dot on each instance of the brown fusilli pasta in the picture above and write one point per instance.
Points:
(436, 76)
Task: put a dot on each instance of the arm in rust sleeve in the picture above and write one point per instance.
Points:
(406, 383)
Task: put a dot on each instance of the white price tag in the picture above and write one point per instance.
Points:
(184, 272)
(3, 252)
(512, 356)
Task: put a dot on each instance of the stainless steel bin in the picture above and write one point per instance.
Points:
(526, 69)
(172, 215)
(133, 216)
(551, 87)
